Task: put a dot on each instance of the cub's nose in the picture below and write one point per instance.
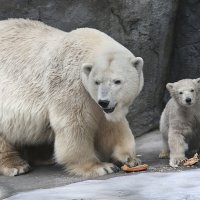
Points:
(103, 103)
(188, 100)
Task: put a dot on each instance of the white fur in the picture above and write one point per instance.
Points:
(44, 94)
(180, 120)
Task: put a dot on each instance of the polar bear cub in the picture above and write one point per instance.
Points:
(179, 119)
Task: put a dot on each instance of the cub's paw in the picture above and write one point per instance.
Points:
(93, 169)
(176, 161)
(164, 154)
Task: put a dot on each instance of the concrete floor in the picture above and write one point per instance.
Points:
(148, 147)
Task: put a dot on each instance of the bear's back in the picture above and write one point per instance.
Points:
(25, 52)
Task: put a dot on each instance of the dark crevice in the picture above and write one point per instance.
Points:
(120, 21)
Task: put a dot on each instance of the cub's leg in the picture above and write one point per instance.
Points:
(177, 147)
(10, 162)
(165, 150)
(164, 129)
(74, 145)
(116, 142)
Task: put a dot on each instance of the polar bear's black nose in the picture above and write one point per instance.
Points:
(188, 100)
(103, 103)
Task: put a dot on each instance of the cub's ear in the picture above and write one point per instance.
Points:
(138, 64)
(197, 80)
(169, 86)
(87, 68)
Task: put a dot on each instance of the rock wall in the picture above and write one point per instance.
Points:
(186, 55)
(145, 27)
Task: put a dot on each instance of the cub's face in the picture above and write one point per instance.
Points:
(185, 91)
(114, 83)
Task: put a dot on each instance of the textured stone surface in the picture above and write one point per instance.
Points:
(143, 26)
(186, 55)
(154, 44)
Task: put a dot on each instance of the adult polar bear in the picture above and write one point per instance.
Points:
(50, 87)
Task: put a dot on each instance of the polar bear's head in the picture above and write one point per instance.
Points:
(114, 81)
(185, 92)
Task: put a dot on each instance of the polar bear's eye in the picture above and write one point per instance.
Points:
(180, 92)
(191, 90)
(117, 82)
(97, 82)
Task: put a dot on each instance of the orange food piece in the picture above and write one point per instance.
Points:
(138, 168)
(192, 160)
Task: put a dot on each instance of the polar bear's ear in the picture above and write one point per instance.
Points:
(138, 64)
(87, 68)
(169, 86)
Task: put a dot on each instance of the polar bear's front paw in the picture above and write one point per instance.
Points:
(106, 168)
(176, 161)
(133, 162)
(93, 169)
(130, 161)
